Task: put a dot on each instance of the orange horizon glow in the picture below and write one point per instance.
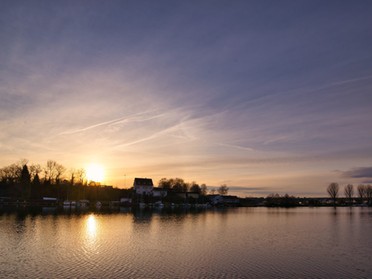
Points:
(95, 172)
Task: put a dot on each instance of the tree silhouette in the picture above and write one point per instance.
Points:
(35, 169)
(36, 180)
(25, 182)
(195, 187)
(175, 184)
(349, 192)
(59, 171)
(332, 190)
(223, 190)
(203, 190)
(362, 192)
(25, 175)
(165, 183)
(369, 194)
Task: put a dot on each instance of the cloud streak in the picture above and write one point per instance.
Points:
(139, 117)
(360, 172)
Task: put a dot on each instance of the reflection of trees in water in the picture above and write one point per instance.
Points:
(20, 226)
(334, 211)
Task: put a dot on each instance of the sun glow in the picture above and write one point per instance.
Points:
(95, 173)
(91, 226)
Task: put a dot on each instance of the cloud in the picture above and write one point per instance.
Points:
(361, 172)
(235, 146)
(247, 189)
(126, 119)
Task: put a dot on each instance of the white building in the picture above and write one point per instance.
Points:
(143, 186)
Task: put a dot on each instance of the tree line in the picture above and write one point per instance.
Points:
(364, 193)
(274, 200)
(179, 185)
(26, 181)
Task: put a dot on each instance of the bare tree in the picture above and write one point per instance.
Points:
(11, 174)
(349, 192)
(362, 192)
(59, 171)
(49, 171)
(332, 190)
(369, 194)
(35, 169)
(80, 174)
(223, 189)
(53, 172)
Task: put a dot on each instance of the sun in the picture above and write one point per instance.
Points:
(95, 172)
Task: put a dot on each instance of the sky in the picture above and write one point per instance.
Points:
(263, 96)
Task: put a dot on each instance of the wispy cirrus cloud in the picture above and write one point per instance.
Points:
(137, 117)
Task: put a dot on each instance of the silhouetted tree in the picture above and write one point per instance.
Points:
(53, 172)
(25, 175)
(369, 194)
(49, 171)
(165, 183)
(80, 175)
(35, 169)
(194, 187)
(332, 190)
(273, 199)
(37, 189)
(59, 171)
(25, 182)
(175, 184)
(277, 200)
(179, 185)
(349, 192)
(223, 190)
(362, 192)
(11, 174)
(36, 180)
(72, 176)
(203, 190)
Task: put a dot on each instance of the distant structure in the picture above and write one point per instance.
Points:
(143, 186)
(159, 192)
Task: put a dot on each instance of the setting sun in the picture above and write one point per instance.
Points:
(95, 172)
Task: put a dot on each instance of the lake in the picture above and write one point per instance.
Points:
(216, 243)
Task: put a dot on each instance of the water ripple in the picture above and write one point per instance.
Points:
(242, 243)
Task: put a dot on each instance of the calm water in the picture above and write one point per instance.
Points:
(233, 243)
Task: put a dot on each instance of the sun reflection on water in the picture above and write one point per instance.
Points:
(91, 226)
(90, 235)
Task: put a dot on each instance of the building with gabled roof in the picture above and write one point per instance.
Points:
(143, 186)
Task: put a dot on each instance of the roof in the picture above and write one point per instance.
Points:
(143, 181)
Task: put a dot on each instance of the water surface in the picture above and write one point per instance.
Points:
(230, 243)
